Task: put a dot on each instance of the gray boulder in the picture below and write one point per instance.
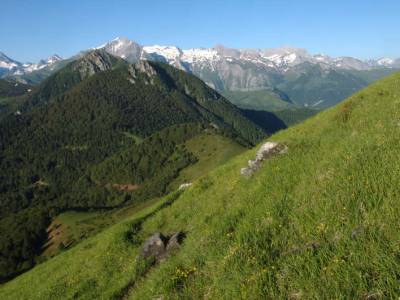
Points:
(175, 241)
(159, 247)
(184, 186)
(266, 151)
(154, 246)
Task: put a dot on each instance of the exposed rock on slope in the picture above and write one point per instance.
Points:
(266, 151)
(94, 62)
(159, 247)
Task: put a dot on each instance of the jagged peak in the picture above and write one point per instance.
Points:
(95, 61)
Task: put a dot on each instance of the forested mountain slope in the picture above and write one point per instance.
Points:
(319, 221)
(61, 151)
(12, 94)
(9, 88)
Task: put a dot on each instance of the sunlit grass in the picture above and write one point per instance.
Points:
(320, 222)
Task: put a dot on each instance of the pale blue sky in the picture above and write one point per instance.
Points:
(34, 29)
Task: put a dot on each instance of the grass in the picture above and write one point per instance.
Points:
(320, 222)
(293, 116)
(211, 150)
(66, 229)
(97, 268)
(72, 227)
(257, 100)
(135, 138)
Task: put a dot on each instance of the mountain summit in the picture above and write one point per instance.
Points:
(282, 58)
(310, 80)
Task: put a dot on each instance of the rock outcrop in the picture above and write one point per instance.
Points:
(266, 151)
(184, 186)
(160, 247)
(94, 62)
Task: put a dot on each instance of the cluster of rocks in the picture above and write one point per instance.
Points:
(266, 151)
(160, 247)
(184, 186)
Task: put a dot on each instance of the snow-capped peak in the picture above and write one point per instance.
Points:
(199, 54)
(282, 58)
(8, 63)
(385, 61)
(13, 67)
(119, 43)
(124, 48)
(53, 58)
(168, 52)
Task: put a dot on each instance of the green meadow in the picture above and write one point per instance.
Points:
(318, 222)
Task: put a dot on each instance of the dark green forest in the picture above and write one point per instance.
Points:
(90, 129)
(11, 88)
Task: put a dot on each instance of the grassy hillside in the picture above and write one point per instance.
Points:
(318, 222)
(100, 133)
(259, 100)
(69, 228)
(293, 116)
(273, 121)
(211, 150)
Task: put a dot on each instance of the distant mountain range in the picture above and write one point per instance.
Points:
(281, 59)
(287, 76)
(9, 66)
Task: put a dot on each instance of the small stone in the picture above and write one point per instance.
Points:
(247, 172)
(175, 241)
(267, 150)
(184, 186)
(356, 232)
(160, 247)
(154, 246)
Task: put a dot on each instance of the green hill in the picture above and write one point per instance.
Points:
(267, 100)
(72, 74)
(318, 222)
(100, 134)
(273, 121)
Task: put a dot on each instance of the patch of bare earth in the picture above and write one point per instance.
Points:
(125, 187)
(55, 237)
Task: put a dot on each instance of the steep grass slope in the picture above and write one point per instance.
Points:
(259, 99)
(69, 228)
(75, 143)
(318, 222)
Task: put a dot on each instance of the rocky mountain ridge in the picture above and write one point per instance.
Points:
(281, 59)
(9, 66)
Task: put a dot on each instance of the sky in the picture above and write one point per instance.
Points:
(34, 29)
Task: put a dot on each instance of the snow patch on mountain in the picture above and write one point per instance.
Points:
(281, 59)
(12, 67)
(199, 55)
(170, 53)
(7, 65)
(385, 61)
